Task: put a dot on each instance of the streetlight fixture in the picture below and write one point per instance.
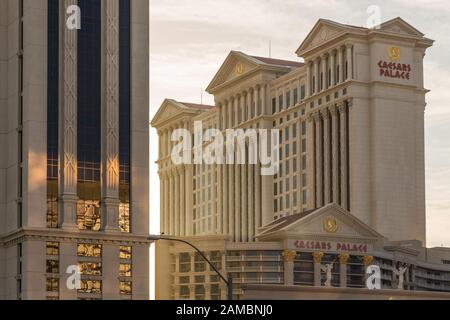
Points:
(228, 281)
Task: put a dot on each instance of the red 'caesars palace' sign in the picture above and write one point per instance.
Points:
(331, 246)
(395, 70)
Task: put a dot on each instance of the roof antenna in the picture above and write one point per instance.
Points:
(270, 49)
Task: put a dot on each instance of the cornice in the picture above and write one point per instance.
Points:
(71, 236)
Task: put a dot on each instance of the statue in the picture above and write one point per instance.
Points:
(327, 269)
(400, 273)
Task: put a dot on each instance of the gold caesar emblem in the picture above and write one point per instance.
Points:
(239, 69)
(394, 53)
(330, 225)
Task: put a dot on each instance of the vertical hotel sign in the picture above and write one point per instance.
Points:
(392, 67)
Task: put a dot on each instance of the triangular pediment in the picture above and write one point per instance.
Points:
(236, 65)
(323, 31)
(169, 110)
(399, 26)
(328, 222)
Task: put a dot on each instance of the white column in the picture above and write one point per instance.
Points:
(310, 162)
(344, 159)
(257, 194)
(250, 198)
(316, 75)
(230, 186)
(166, 203)
(236, 111)
(244, 213)
(68, 129)
(237, 202)
(324, 72)
(256, 99)
(350, 60)
(110, 137)
(326, 155)
(335, 136)
(242, 110)
(332, 67)
(183, 202)
(177, 202)
(319, 160)
(249, 104)
(172, 202)
(264, 99)
(161, 199)
(308, 79)
(220, 211)
(341, 64)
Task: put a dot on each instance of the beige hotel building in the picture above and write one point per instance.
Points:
(350, 191)
(74, 167)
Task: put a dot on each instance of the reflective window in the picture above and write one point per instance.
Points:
(52, 285)
(125, 252)
(52, 112)
(91, 286)
(89, 250)
(52, 266)
(125, 270)
(89, 114)
(126, 287)
(90, 268)
(52, 248)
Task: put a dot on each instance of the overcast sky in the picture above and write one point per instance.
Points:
(189, 40)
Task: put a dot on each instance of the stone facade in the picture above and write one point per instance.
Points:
(33, 257)
(351, 123)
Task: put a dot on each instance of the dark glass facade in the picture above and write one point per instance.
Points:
(89, 115)
(124, 124)
(52, 112)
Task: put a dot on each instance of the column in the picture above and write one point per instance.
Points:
(343, 260)
(332, 67)
(189, 200)
(335, 153)
(249, 104)
(166, 203)
(244, 214)
(176, 194)
(317, 258)
(256, 98)
(319, 160)
(350, 61)
(257, 193)
(310, 161)
(110, 137)
(237, 201)
(308, 79)
(242, 111)
(224, 196)
(68, 129)
(231, 190)
(344, 158)
(183, 202)
(171, 202)
(161, 199)
(289, 258)
(324, 72)
(220, 211)
(326, 156)
(264, 100)
(316, 76)
(341, 64)
(236, 111)
(250, 199)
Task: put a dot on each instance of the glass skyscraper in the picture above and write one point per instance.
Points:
(74, 166)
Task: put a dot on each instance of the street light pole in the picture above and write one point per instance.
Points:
(228, 281)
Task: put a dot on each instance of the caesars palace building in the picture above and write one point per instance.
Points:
(350, 190)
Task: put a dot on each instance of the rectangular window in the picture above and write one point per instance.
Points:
(288, 99)
(126, 252)
(274, 105)
(126, 287)
(90, 268)
(52, 285)
(89, 250)
(302, 92)
(52, 266)
(52, 248)
(125, 270)
(91, 286)
(295, 96)
(280, 103)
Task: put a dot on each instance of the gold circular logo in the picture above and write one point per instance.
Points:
(394, 53)
(330, 225)
(239, 69)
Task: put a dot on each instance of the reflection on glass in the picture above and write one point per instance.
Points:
(91, 286)
(52, 285)
(52, 266)
(124, 217)
(126, 287)
(125, 270)
(89, 250)
(126, 252)
(52, 248)
(88, 215)
(90, 268)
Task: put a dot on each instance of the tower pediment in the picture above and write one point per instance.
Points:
(328, 222)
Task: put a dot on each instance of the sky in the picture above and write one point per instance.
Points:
(190, 39)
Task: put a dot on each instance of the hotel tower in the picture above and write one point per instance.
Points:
(350, 190)
(74, 140)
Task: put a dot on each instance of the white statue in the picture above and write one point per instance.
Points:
(327, 269)
(400, 273)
